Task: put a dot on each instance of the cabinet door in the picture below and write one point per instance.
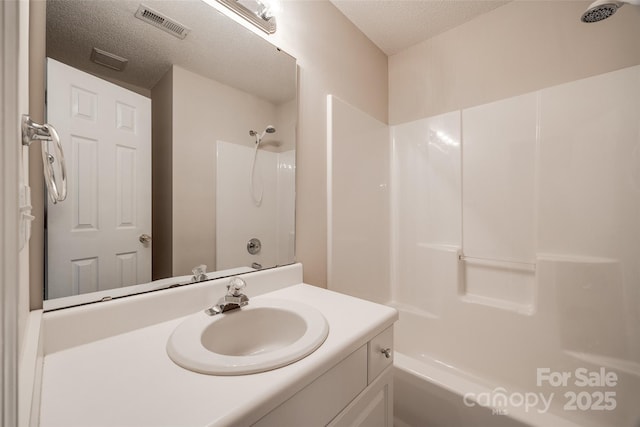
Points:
(320, 401)
(378, 360)
(373, 407)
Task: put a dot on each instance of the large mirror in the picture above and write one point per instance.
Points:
(178, 126)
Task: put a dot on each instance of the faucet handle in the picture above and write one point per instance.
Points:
(236, 285)
(199, 273)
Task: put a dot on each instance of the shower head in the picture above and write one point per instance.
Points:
(602, 9)
(269, 129)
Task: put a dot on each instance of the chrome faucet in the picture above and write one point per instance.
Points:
(232, 300)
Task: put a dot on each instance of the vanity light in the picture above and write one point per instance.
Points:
(258, 12)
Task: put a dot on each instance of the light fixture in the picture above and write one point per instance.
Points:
(257, 12)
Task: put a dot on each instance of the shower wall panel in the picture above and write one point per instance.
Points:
(498, 200)
(358, 202)
(554, 173)
(550, 241)
(426, 209)
(237, 218)
(589, 208)
(286, 207)
(498, 158)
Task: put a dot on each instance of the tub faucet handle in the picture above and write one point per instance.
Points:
(386, 352)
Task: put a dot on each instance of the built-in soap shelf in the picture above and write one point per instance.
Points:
(499, 263)
(500, 283)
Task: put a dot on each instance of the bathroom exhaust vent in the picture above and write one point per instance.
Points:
(161, 21)
(108, 59)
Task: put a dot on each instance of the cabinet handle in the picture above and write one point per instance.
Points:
(386, 352)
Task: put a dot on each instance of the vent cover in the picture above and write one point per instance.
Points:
(108, 59)
(161, 21)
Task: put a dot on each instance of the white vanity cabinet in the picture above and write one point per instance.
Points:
(89, 362)
(358, 391)
(371, 408)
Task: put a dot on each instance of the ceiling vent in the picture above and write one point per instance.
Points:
(108, 59)
(161, 21)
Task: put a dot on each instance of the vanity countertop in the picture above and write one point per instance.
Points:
(128, 379)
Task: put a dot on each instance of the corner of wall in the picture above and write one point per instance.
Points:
(161, 186)
(37, 58)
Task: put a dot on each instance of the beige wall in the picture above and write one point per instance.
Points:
(161, 176)
(359, 230)
(11, 325)
(517, 48)
(287, 118)
(204, 111)
(22, 92)
(334, 57)
(37, 43)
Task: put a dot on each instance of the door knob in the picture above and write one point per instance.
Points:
(144, 238)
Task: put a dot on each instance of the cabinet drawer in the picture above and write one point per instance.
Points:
(377, 358)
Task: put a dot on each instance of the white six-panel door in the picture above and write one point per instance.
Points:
(93, 237)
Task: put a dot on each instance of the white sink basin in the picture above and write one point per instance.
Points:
(264, 335)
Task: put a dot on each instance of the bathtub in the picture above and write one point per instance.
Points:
(461, 383)
(428, 394)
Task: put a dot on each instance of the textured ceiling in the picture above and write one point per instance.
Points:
(221, 49)
(217, 47)
(394, 25)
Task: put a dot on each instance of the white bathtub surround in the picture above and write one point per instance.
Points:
(550, 185)
(106, 364)
(515, 245)
(238, 219)
(358, 202)
(498, 200)
(427, 210)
